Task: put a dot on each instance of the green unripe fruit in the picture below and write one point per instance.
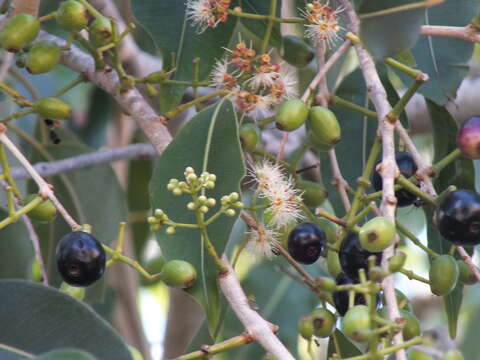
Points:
(52, 108)
(291, 115)
(396, 262)
(419, 355)
(323, 322)
(313, 194)
(333, 263)
(377, 234)
(44, 211)
(356, 323)
(305, 327)
(329, 228)
(249, 136)
(74, 291)
(297, 52)
(42, 57)
(19, 31)
(412, 327)
(443, 275)
(72, 16)
(466, 275)
(179, 274)
(317, 144)
(453, 355)
(153, 266)
(324, 125)
(326, 283)
(101, 32)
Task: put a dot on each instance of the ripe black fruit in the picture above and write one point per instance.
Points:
(340, 298)
(306, 242)
(353, 257)
(80, 258)
(458, 217)
(407, 168)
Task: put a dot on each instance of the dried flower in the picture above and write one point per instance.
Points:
(262, 242)
(207, 13)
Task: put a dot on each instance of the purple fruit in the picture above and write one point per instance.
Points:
(468, 138)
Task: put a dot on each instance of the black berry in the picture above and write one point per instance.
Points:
(458, 217)
(80, 258)
(407, 168)
(340, 298)
(353, 257)
(306, 242)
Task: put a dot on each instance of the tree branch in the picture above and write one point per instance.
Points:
(87, 160)
(257, 327)
(468, 33)
(389, 169)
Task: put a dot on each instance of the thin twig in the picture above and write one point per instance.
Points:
(44, 187)
(468, 33)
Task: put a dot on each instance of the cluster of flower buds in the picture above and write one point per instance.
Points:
(193, 183)
(258, 84)
(229, 201)
(322, 22)
(202, 203)
(158, 219)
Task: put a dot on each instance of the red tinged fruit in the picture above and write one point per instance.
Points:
(468, 138)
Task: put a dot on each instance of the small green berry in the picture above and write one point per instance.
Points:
(333, 263)
(179, 274)
(44, 211)
(377, 234)
(412, 328)
(42, 57)
(324, 125)
(19, 30)
(323, 322)
(101, 32)
(396, 262)
(249, 136)
(453, 355)
(419, 355)
(313, 193)
(52, 108)
(317, 144)
(326, 283)
(443, 275)
(72, 16)
(296, 51)
(305, 327)
(291, 115)
(356, 323)
(466, 275)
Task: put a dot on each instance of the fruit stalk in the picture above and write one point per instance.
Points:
(336, 100)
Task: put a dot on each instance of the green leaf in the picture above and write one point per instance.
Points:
(258, 28)
(461, 174)
(347, 348)
(387, 35)
(16, 250)
(80, 195)
(445, 59)
(209, 142)
(65, 354)
(173, 33)
(37, 319)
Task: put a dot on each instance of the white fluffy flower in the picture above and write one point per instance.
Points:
(262, 242)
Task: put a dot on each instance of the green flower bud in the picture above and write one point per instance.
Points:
(52, 108)
(19, 31)
(42, 57)
(72, 16)
(179, 274)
